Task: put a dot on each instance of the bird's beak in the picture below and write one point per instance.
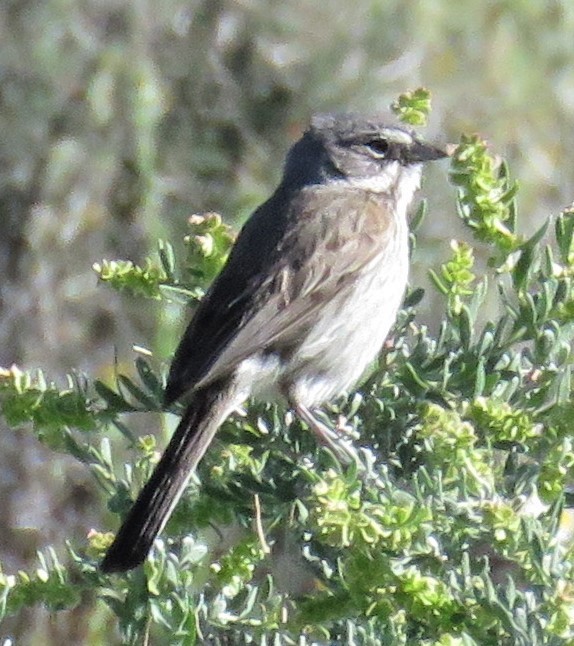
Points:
(422, 152)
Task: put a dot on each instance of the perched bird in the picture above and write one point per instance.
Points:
(303, 305)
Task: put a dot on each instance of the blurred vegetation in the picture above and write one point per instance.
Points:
(121, 120)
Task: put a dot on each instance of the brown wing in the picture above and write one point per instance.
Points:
(281, 271)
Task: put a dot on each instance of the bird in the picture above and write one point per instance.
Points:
(303, 305)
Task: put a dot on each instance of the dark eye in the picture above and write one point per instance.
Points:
(379, 147)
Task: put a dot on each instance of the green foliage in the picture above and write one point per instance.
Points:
(456, 275)
(53, 411)
(345, 517)
(449, 529)
(485, 194)
(207, 245)
(413, 107)
(123, 274)
(50, 584)
(236, 568)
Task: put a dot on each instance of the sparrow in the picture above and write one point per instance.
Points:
(302, 306)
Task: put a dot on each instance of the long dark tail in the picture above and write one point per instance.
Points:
(154, 505)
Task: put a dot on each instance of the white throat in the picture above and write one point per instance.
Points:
(407, 185)
(402, 181)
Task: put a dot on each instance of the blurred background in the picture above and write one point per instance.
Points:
(118, 120)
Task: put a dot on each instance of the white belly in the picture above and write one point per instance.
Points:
(348, 333)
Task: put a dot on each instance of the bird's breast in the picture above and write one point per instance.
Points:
(350, 328)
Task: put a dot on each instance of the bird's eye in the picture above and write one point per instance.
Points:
(379, 147)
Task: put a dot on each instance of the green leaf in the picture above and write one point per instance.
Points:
(114, 400)
(413, 107)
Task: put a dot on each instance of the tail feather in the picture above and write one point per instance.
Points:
(154, 505)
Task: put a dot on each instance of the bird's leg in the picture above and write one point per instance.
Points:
(342, 448)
